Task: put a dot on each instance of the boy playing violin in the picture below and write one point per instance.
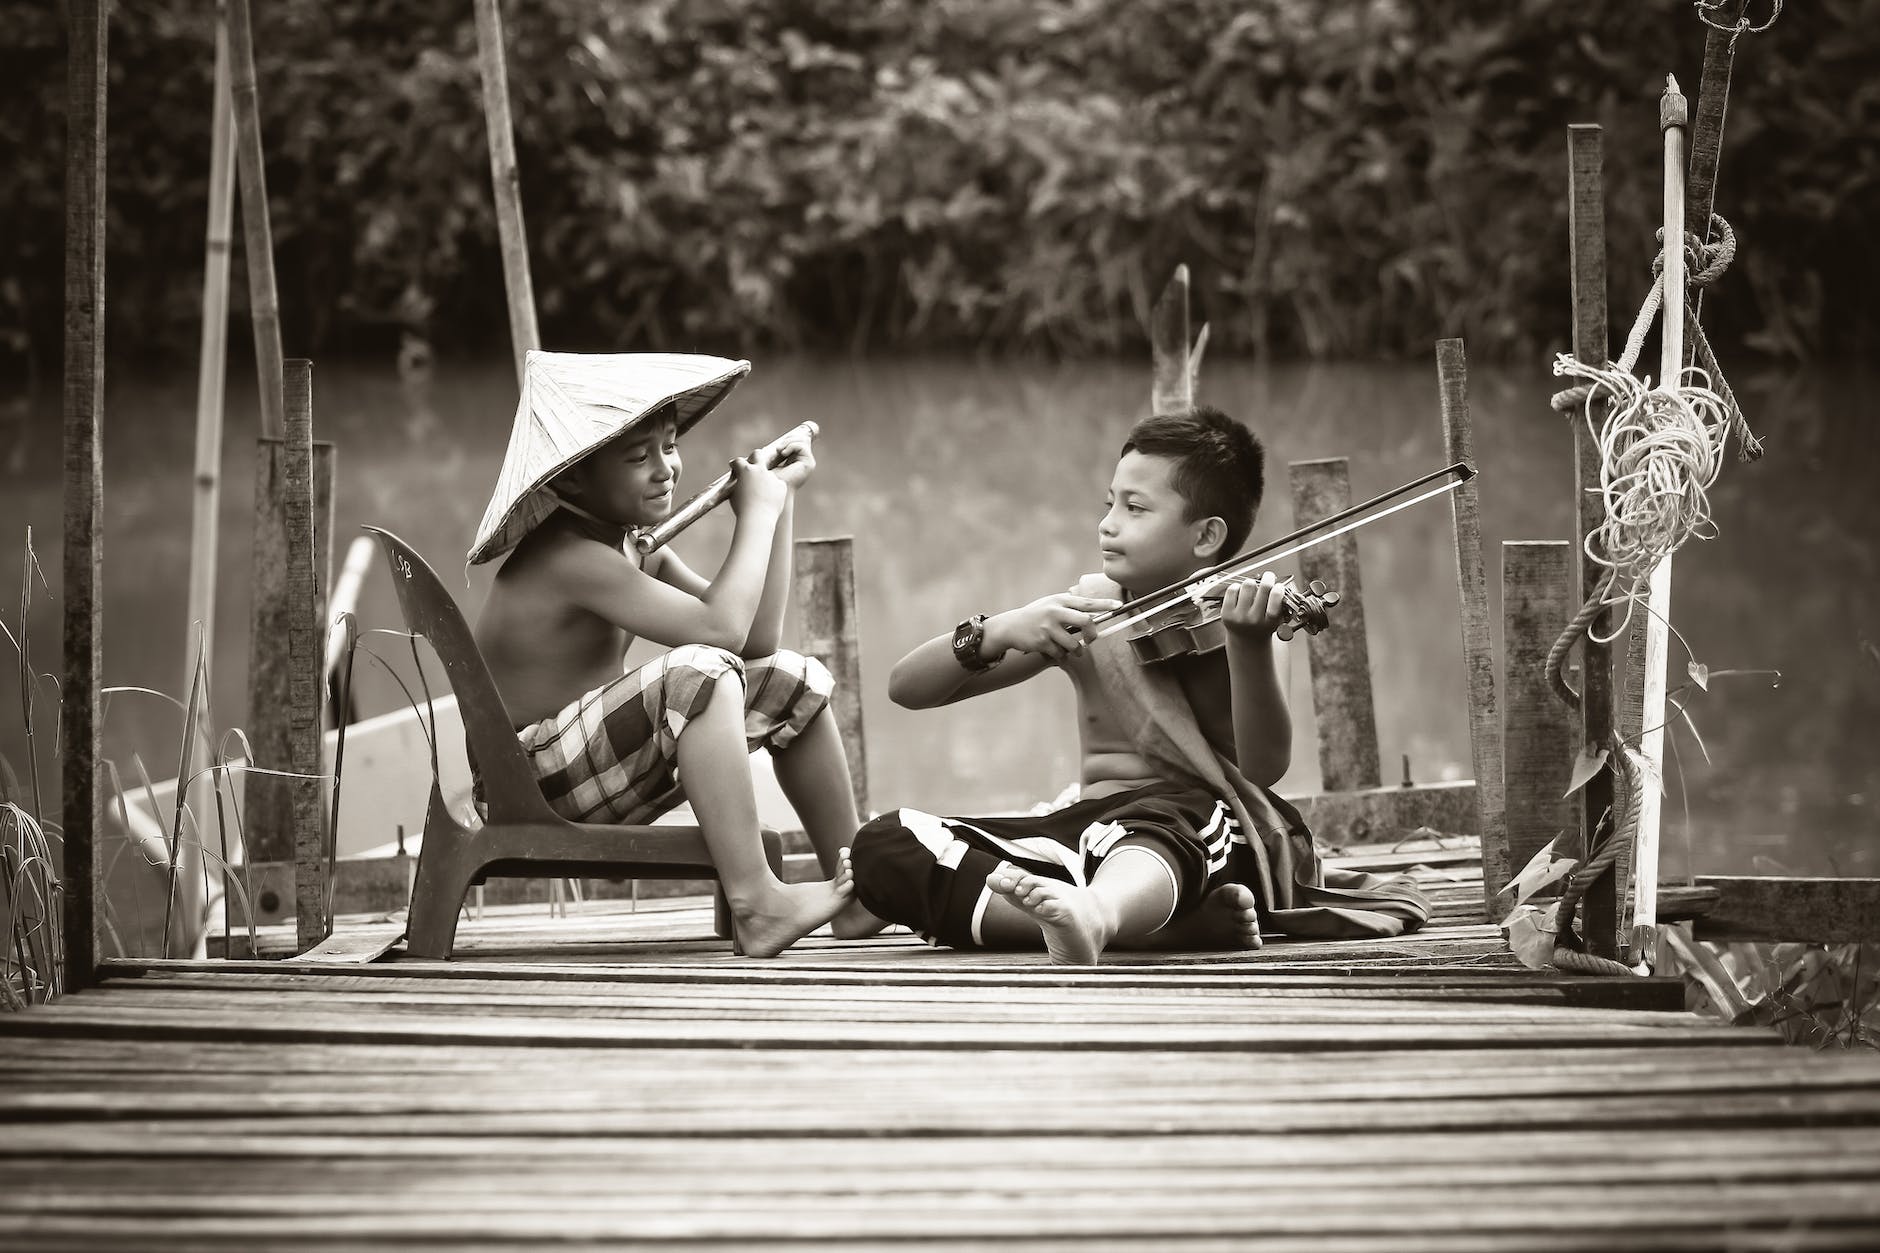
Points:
(595, 456)
(1176, 840)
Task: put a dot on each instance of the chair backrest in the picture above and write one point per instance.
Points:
(509, 787)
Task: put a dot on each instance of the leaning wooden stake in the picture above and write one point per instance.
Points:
(1174, 386)
(1478, 645)
(1339, 659)
(502, 139)
(305, 653)
(264, 306)
(1672, 118)
(1586, 227)
(1537, 730)
(83, 558)
(1713, 96)
(828, 630)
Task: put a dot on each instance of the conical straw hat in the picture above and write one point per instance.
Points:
(572, 403)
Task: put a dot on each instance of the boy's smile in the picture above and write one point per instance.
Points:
(1145, 536)
(631, 481)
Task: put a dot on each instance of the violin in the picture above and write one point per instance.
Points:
(1196, 627)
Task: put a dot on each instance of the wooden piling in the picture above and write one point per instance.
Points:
(829, 630)
(1174, 388)
(1340, 659)
(1538, 733)
(1586, 233)
(264, 306)
(1478, 645)
(267, 818)
(305, 654)
(82, 564)
(506, 183)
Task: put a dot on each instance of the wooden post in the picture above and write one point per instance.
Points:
(1537, 732)
(1174, 388)
(506, 183)
(1340, 658)
(82, 799)
(211, 375)
(305, 655)
(829, 631)
(1713, 96)
(264, 306)
(1673, 116)
(267, 818)
(1478, 645)
(1586, 231)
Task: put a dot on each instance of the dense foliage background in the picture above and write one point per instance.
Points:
(1343, 179)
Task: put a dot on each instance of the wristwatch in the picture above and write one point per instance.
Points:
(967, 637)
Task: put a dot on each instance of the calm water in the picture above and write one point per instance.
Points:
(974, 486)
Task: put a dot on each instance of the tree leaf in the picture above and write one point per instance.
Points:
(1531, 931)
(1584, 768)
(1700, 674)
(1545, 867)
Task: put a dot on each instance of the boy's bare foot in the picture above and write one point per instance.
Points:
(790, 911)
(1226, 920)
(1076, 929)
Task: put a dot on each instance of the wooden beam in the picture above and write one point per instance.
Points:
(1478, 645)
(82, 562)
(1586, 238)
(1381, 814)
(829, 630)
(1340, 658)
(264, 305)
(1796, 910)
(506, 183)
(306, 657)
(1537, 732)
(1174, 387)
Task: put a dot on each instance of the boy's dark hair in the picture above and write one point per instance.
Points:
(1220, 466)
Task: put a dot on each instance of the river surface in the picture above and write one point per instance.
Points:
(972, 486)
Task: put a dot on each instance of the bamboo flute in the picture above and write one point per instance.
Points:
(505, 182)
(1673, 116)
(716, 493)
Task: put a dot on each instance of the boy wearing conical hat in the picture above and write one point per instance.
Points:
(594, 455)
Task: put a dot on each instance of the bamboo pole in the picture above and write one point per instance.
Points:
(506, 183)
(1586, 234)
(264, 306)
(82, 799)
(1478, 645)
(1673, 116)
(211, 375)
(306, 655)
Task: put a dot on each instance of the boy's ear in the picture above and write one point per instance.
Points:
(1209, 535)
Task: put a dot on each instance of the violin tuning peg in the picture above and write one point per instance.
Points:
(1329, 599)
(1316, 587)
(1285, 632)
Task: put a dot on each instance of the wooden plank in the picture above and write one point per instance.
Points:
(267, 814)
(264, 306)
(82, 557)
(830, 630)
(1391, 813)
(506, 183)
(306, 655)
(1478, 646)
(1340, 659)
(1537, 733)
(1799, 910)
(1173, 389)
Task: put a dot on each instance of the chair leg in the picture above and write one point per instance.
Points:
(436, 901)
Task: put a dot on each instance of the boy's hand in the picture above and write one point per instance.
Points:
(796, 459)
(1052, 626)
(755, 486)
(1253, 610)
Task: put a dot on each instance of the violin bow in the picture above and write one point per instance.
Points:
(1345, 520)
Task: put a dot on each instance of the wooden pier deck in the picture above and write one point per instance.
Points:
(616, 1078)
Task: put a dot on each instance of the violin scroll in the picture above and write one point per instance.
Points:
(1306, 610)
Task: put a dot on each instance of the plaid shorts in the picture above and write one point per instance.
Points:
(612, 755)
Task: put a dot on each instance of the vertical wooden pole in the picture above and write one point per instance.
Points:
(1713, 96)
(264, 306)
(1537, 732)
(1586, 233)
(506, 183)
(829, 631)
(1174, 387)
(268, 819)
(1478, 645)
(1673, 116)
(83, 558)
(305, 653)
(1340, 659)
